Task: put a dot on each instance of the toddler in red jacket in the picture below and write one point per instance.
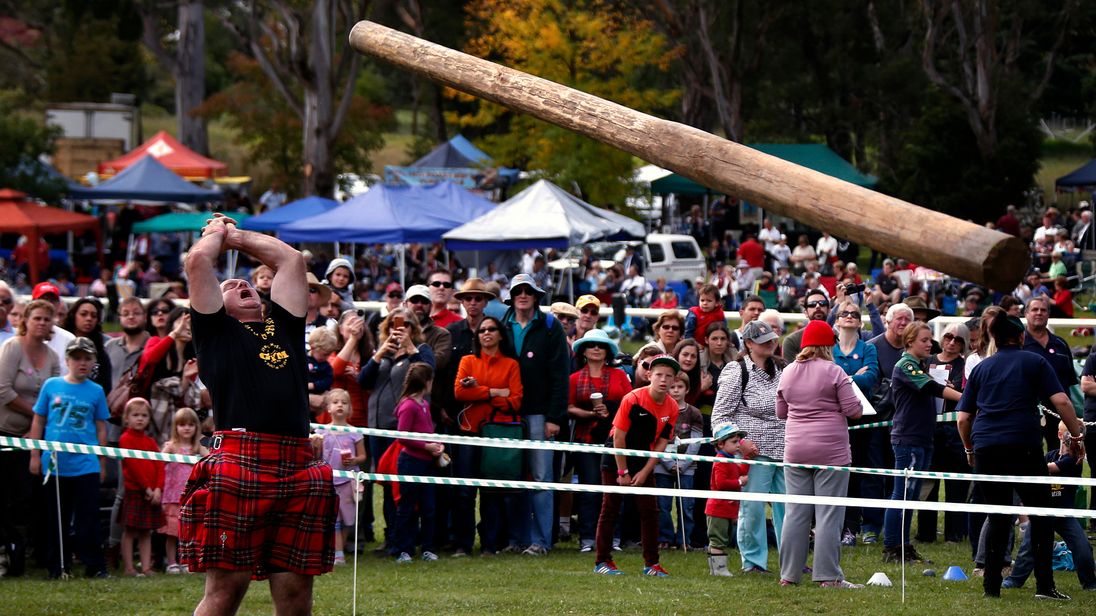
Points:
(722, 514)
(144, 483)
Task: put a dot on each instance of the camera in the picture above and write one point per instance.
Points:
(361, 313)
(852, 288)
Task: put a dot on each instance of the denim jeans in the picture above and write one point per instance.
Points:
(503, 510)
(541, 501)
(753, 534)
(871, 449)
(415, 513)
(668, 531)
(1077, 542)
(895, 533)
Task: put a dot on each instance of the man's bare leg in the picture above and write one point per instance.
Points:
(224, 591)
(292, 593)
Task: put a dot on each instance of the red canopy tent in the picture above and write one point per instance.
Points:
(19, 215)
(171, 154)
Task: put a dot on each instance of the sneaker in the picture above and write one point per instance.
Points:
(404, 559)
(616, 547)
(607, 568)
(513, 548)
(1008, 583)
(429, 556)
(839, 584)
(912, 556)
(848, 539)
(339, 560)
(756, 569)
(175, 569)
(870, 537)
(1053, 595)
(535, 550)
(586, 548)
(978, 572)
(656, 570)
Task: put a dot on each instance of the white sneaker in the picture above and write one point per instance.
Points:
(404, 558)
(429, 556)
(174, 569)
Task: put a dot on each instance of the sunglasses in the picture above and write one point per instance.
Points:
(7, 301)
(474, 298)
(418, 299)
(395, 295)
(818, 303)
(671, 328)
(851, 314)
(591, 311)
(952, 338)
(439, 283)
(567, 318)
(487, 330)
(524, 290)
(159, 311)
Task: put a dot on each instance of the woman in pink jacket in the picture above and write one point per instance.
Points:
(816, 397)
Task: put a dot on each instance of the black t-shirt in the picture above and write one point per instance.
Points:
(1090, 370)
(1061, 360)
(257, 373)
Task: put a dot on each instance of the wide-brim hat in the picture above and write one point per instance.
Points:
(322, 289)
(725, 431)
(595, 336)
(474, 286)
(527, 280)
(915, 303)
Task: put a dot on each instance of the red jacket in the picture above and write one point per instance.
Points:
(725, 478)
(703, 320)
(752, 252)
(491, 372)
(140, 474)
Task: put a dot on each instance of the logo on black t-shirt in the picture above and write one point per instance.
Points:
(274, 355)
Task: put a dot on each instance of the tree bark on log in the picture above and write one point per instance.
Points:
(956, 247)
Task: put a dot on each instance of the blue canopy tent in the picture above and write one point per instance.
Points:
(392, 215)
(456, 160)
(457, 152)
(300, 209)
(148, 180)
(1083, 177)
(40, 170)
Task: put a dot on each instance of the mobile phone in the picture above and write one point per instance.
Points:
(397, 321)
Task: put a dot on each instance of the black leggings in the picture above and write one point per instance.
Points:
(1015, 460)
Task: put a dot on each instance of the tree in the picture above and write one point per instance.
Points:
(302, 48)
(22, 140)
(973, 50)
(272, 129)
(187, 64)
(723, 44)
(591, 45)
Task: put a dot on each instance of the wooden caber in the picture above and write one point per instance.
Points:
(956, 247)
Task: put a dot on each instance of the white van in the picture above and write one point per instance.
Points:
(676, 258)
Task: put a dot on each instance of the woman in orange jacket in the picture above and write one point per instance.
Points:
(489, 384)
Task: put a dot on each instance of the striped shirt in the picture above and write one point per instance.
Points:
(758, 415)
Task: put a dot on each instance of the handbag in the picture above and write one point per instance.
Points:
(134, 383)
(882, 399)
(503, 462)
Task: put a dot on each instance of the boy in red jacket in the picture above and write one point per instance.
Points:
(722, 514)
(144, 483)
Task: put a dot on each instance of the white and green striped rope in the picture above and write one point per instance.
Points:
(114, 452)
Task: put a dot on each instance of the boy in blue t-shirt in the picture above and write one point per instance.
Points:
(73, 409)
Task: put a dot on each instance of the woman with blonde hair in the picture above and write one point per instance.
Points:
(816, 398)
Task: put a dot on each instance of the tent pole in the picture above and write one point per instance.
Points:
(130, 248)
(403, 252)
(570, 284)
(32, 244)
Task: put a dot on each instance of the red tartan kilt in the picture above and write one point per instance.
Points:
(139, 513)
(261, 503)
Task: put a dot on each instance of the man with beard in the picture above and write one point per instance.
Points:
(816, 305)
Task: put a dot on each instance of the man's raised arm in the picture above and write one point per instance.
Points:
(201, 268)
(290, 287)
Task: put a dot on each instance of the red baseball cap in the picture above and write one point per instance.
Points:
(45, 288)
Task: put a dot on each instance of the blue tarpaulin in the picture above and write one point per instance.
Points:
(148, 180)
(291, 212)
(392, 215)
(1079, 178)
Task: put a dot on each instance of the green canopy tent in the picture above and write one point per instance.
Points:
(174, 222)
(815, 156)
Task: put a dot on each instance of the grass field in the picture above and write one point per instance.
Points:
(562, 583)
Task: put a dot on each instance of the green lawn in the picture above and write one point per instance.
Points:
(562, 583)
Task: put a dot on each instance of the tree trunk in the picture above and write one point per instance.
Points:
(190, 76)
(319, 106)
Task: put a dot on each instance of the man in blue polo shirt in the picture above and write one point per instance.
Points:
(1040, 340)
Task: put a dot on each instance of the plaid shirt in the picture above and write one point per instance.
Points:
(758, 415)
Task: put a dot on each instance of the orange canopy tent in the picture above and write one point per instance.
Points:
(20, 215)
(171, 154)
